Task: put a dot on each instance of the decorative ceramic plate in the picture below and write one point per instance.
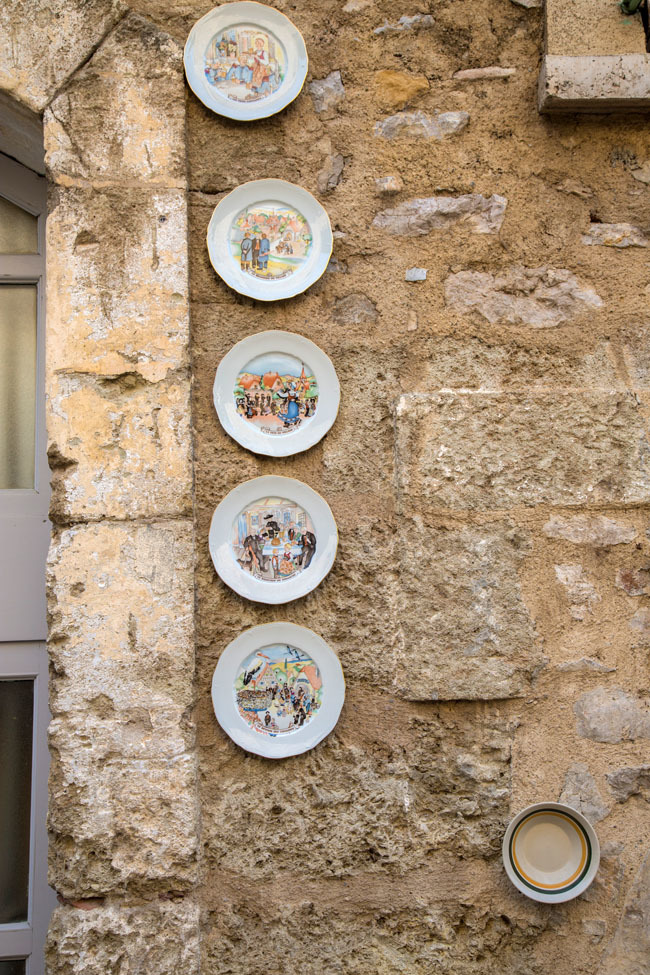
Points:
(276, 393)
(245, 60)
(550, 852)
(273, 539)
(278, 690)
(269, 239)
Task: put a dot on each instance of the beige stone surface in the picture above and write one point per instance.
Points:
(606, 83)
(479, 451)
(138, 70)
(42, 45)
(396, 89)
(630, 946)
(160, 939)
(589, 27)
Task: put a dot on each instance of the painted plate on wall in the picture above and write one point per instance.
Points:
(276, 393)
(273, 539)
(269, 239)
(550, 852)
(245, 60)
(278, 690)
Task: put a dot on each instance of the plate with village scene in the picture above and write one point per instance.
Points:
(273, 539)
(269, 239)
(276, 393)
(245, 60)
(278, 690)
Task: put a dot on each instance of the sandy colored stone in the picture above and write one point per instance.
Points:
(542, 297)
(41, 45)
(632, 781)
(590, 529)
(640, 624)
(580, 592)
(138, 70)
(387, 185)
(117, 283)
(636, 353)
(642, 173)
(585, 665)
(465, 632)
(328, 93)
(414, 218)
(629, 949)
(493, 72)
(588, 28)
(581, 792)
(354, 309)
(159, 938)
(615, 235)
(610, 715)
(395, 89)
(616, 83)
(416, 22)
(420, 125)
(479, 451)
(119, 447)
(330, 175)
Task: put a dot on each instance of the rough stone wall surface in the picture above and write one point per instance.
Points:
(488, 472)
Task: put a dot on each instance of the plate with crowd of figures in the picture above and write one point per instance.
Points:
(276, 393)
(550, 852)
(245, 60)
(269, 239)
(273, 539)
(278, 690)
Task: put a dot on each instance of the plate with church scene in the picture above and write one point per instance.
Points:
(276, 393)
(272, 539)
(278, 690)
(269, 239)
(245, 60)
(550, 852)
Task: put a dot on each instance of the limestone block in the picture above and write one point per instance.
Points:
(615, 235)
(469, 450)
(594, 84)
(413, 218)
(465, 632)
(156, 939)
(327, 94)
(119, 448)
(41, 45)
(588, 28)
(138, 72)
(581, 792)
(627, 782)
(121, 602)
(542, 297)
(117, 282)
(379, 805)
(629, 949)
(610, 715)
(416, 22)
(121, 819)
(419, 125)
(595, 529)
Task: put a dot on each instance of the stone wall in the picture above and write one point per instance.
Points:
(488, 472)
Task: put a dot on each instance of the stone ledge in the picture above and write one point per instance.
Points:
(605, 83)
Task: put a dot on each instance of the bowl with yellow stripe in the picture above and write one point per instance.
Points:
(550, 852)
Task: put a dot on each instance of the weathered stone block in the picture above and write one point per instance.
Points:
(156, 939)
(627, 782)
(465, 632)
(595, 84)
(615, 235)
(542, 297)
(117, 282)
(41, 45)
(119, 448)
(479, 450)
(419, 125)
(415, 23)
(581, 792)
(610, 715)
(327, 94)
(121, 602)
(138, 71)
(590, 529)
(414, 218)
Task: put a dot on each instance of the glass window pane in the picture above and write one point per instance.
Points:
(17, 384)
(16, 966)
(16, 720)
(18, 229)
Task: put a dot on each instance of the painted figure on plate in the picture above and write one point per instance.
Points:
(278, 689)
(245, 64)
(270, 240)
(273, 540)
(276, 393)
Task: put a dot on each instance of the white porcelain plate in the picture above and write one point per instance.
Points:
(276, 393)
(245, 60)
(269, 239)
(550, 852)
(273, 539)
(278, 690)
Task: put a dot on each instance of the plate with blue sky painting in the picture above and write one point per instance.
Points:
(269, 239)
(245, 60)
(273, 539)
(276, 393)
(278, 690)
